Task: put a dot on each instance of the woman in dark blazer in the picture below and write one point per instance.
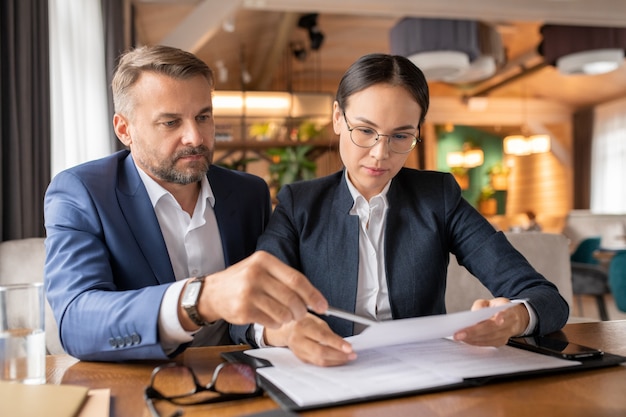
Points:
(375, 238)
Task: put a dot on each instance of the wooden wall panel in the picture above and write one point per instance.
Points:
(539, 183)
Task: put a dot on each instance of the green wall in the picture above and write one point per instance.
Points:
(492, 148)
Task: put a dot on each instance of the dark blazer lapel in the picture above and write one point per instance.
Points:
(400, 228)
(226, 215)
(137, 209)
(404, 234)
(343, 249)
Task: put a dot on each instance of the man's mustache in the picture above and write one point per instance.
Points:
(200, 150)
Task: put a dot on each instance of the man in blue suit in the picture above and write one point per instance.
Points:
(147, 250)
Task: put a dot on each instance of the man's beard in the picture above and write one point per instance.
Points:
(168, 172)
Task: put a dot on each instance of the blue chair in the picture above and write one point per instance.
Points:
(617, 279)
(588, 277)
(584, 251)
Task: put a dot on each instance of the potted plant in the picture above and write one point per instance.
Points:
(263, 131)
(308, 130)
(461, 176)
(290, 164)
(487, 204)
(499, 176)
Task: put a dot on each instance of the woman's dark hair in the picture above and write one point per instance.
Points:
(383, 68)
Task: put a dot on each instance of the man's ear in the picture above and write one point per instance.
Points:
(122, 129)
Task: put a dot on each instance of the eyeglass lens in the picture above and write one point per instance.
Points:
(179, 383)
(398, 142)
(235, 378)
(174, 381)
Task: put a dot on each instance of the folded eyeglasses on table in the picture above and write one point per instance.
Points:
(179, 385)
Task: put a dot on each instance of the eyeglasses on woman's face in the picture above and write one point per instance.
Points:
(366, 137)
(179, 385)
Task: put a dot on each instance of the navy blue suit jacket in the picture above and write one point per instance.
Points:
(107, 266)
(312, 230)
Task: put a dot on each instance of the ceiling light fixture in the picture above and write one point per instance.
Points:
(469, 157)
(222, 71)
(521, 145)
(299, 51)
(309, 22)
(594, 62)
(524, 143)
(272, 104)
(583, 50)
(438, 65)
(449, 50)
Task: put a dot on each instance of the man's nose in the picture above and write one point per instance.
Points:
(193, 135)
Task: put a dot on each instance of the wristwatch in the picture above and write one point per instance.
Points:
(190, 300)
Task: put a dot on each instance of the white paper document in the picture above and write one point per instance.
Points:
(409, 358)
(395, 332)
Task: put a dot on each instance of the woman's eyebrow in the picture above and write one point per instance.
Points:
(369, 122)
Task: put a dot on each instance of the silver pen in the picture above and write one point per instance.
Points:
(348, 316)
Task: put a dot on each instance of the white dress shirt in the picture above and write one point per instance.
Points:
(372, 295)
(194, 247)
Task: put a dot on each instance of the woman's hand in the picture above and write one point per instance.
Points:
(312, 341)
(497, 330)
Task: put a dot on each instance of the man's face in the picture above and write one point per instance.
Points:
(170, 131)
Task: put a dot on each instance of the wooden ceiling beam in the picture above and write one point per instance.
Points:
(201, 24)
(270, 64)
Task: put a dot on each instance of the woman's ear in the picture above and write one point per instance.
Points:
(337, 118)
(122, 129)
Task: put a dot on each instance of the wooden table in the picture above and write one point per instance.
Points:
(586, 393)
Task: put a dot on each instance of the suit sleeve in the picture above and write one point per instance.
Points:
(500, 267)
(281, 238)
(97, 319)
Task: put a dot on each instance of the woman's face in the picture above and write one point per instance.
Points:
(387, 109)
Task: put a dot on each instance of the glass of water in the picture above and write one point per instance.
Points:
(22, 336)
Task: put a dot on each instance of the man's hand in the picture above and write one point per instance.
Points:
(497, 330)
(259, 289)
(312, 341)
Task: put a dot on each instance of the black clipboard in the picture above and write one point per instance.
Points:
(287, 403)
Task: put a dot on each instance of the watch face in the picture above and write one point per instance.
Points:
(191, 293)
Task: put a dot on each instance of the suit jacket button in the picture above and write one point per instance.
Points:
(136, 339)
(112, 342)
(119, 341)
